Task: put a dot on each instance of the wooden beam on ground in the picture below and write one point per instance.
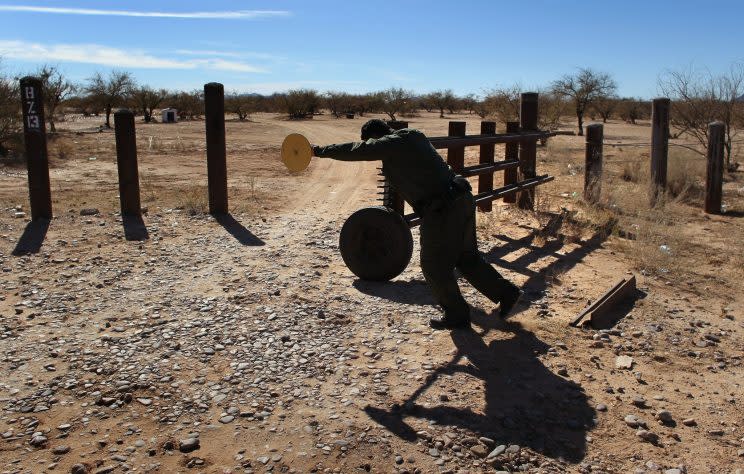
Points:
(603, 313)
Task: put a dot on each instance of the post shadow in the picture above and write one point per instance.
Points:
(134, 228)
(32, 238)
(525, 403)
(536, 282)
(236, 229)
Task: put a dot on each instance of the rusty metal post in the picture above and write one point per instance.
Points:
(659, 147)
(528, 149)
(126, 161)
(485, 181)
(37, 160)
(714, 175)
(214, 112)
(593, 163)
(456, 154)
(511, 152)
(391, 198)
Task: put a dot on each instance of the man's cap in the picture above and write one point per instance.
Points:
(375, 128)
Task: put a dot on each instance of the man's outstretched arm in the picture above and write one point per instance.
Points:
(371, 150)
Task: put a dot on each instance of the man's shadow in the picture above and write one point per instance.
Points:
(525, 402)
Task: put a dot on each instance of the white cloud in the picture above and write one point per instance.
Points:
(223, 15)
(107, 56)
(271, 87)
(228, 54)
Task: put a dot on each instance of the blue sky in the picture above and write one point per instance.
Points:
(359, 46)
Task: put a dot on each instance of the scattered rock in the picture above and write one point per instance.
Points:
(499, 450)
(624, 362)
(60, 450)
(648, 436)
(188, 445)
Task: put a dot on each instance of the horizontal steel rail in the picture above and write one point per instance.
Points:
(485, 168)
(414, 219)
(472, 140)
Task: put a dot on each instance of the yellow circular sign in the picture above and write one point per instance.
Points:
(296, 152)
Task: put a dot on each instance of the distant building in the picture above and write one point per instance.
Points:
(170, 115)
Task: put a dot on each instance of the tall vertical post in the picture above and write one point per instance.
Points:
(528, 149)
(485, 181)
(126, 161)
(214, 108)
(37, 160)
(511, 153)
(714, 175)
(390, 197)
(593, 163)
(456, 154)
(659, 147)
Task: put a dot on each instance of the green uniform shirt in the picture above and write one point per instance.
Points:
(409, 162)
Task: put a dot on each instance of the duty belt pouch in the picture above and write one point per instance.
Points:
(460, 183)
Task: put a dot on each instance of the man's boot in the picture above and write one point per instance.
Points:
(509, 301)
(450, 321)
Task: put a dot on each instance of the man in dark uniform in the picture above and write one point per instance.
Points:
(447, 209)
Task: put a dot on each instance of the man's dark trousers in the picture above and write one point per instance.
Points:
(448, 241)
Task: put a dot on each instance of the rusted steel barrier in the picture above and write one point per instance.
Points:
(34, 135)
(487, 154)
(214, 115)
(714, 175)
(593, 163)
(659, 147)
(511, 154)
(126, 162)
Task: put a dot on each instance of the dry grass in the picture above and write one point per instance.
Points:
(193, 199)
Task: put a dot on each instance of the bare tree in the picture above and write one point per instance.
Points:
(10, 122)
(190, 105)
(338, 102)
(469, 103)
(605, 107)
(584, 87)
(396, 100)
(699, 98)
(147, 99)
(442, 99)
(110, 91)
(56, 90)
(242, 105)
(551, 107)
(300, 103)
(631, 110)
(503, 102)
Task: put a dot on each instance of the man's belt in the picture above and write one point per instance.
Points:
(456, 186)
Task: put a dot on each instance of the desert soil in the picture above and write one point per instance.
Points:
(246, 345)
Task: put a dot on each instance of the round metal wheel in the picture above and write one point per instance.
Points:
(376, 243)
